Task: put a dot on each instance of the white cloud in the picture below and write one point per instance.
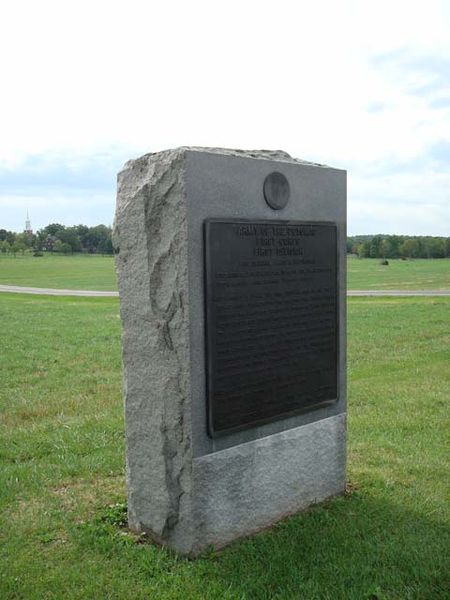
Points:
(81, 77)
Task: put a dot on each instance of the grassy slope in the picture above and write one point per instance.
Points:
(97, 273)
(418, 274)
(62, 454)
(82, 272)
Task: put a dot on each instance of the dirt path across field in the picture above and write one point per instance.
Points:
(398, 292)
(98, 294)
(55, 292)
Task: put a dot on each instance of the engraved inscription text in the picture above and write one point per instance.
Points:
(271, 320)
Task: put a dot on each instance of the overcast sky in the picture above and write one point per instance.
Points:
(360, 85)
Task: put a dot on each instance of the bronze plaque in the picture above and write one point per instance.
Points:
(271, 320)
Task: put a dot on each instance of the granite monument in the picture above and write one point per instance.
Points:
(231, 270)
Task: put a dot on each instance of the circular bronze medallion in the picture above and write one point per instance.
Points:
(276, 190)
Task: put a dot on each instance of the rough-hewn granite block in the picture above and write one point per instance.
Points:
(186, 489)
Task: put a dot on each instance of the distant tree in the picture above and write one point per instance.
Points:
(66, 248)
(98, 239)
(408, 248)
(5, 246)
(69, 236)
(9, 236)
(53, 228)
(375, 243)
(49, 242)
(436, 247)
(420, 248)
(447, 247)
(18, 247)
(395, 241)
(82, 231)
(385, 248)
(105, 246)
(38, 241)
(80, 238)
(25, 238)
(394, 246)
(57, 246)
(361, 250)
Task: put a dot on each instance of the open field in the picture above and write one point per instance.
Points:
(87, 272)
(62, 483)
(417, 274)
(78, 272)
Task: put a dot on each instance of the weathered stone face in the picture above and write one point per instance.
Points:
(151, 236)
(186, 489)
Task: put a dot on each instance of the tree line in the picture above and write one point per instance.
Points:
(60, 239)
(398, 246)
(97, 240)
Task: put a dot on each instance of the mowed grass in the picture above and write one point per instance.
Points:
(62, 488)
(87, 272)
(77, 272)
(416, 274)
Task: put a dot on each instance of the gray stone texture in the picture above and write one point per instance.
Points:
(185, 489)
(243, 489)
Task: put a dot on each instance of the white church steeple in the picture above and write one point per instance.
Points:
(28, 225)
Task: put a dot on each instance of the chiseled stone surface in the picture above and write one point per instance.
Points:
(245, 488)
(150, 238)
(189, 495)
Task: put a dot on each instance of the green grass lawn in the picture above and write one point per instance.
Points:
(78, 272)
(87, 272)
(417, 274)
(62, 488)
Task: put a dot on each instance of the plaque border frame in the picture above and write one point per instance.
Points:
(208, 330)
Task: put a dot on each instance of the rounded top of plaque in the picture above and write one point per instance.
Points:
(276, 190)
